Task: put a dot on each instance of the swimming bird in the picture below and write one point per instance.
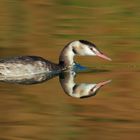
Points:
(27, 65)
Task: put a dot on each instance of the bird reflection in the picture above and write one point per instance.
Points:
(66, 78)
(82, 90)
(29, 79)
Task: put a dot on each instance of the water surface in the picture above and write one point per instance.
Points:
(43, 111)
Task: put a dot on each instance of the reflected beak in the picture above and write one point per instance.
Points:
(103, 56)
(102, 84)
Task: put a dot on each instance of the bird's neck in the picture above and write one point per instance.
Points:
(66, 57)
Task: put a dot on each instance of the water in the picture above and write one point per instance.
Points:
(44, 111)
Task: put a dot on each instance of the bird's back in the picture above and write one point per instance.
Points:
(26, 65)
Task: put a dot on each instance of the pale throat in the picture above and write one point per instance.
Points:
(67, 57)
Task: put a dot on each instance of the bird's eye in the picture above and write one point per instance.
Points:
(92, 49)
(92, 90)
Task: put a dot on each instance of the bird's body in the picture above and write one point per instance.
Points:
(28, 65)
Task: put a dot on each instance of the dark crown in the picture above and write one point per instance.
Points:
(87, 43)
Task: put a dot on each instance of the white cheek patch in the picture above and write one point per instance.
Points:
(85, 50)
(95, 50)
(83, 90)
(82, 49)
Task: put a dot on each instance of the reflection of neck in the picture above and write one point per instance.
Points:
(67, 81)
(66, 57)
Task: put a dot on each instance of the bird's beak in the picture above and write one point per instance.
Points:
(102, 84)
(103, 56)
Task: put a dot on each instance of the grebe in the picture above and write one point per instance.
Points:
(26, 65)
(80, 90)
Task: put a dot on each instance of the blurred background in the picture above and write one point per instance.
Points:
(43, 28)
